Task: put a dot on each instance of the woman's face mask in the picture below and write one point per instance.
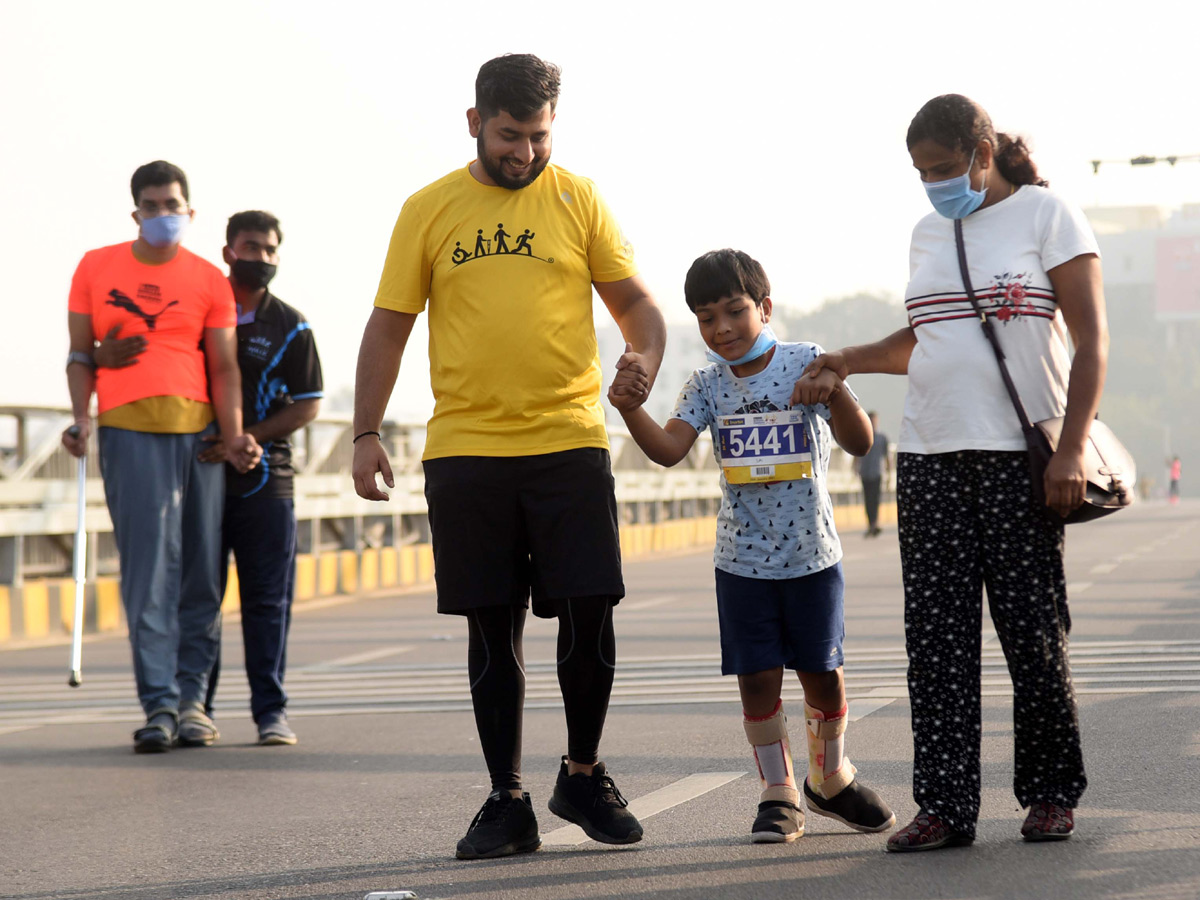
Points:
(954, 198)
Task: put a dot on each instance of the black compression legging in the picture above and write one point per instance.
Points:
(496, 666)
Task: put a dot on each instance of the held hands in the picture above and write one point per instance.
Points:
(1064, 481)
(370, 458)
(631, 385)
(243, 452)
(834, 361)
(215, 451)
(817, 386)
(116, 352)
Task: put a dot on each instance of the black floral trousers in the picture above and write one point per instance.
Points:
(967, 522)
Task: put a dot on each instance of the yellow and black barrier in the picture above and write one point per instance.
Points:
(45, 608)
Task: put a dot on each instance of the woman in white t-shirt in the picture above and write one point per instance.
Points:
(966, 507)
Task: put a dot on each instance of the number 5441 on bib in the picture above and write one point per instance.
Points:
(758, 447)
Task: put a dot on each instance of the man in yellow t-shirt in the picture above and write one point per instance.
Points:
(506, 251)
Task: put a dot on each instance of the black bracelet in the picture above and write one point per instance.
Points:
(364, 434)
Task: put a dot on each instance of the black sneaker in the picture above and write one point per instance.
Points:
(594, 804)
(503, 826)
(778, 822)
(855, 805)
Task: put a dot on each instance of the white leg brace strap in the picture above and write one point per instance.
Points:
(773, 754)
(828, 770)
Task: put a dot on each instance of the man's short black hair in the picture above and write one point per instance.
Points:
(155, 174)
(723, 273)
(251, 220)
(518, 83)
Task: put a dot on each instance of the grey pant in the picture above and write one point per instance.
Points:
(166, 511)
(871, 491)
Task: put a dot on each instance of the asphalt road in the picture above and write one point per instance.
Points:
(388, 771)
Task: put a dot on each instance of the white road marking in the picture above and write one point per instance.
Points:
(355, 659)
(646, 604)
(1126, 557)
(861, 708)
(874, 677)
(653, 803)
(1077, 587)
(17, 728)
(1103, 568)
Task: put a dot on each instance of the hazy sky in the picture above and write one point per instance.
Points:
(772, 127)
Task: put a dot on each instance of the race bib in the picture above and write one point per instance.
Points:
(770, 446)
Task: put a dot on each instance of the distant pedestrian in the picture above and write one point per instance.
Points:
(171, 317)
(1176, 474)
(967, 512)
(517, 469)
(874, 468)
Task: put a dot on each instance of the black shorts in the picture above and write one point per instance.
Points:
(508, 528)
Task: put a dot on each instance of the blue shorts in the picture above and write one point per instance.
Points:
(796, 622)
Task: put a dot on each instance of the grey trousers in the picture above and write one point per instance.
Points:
(166, 510)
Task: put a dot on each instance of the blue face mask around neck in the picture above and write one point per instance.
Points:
(954, 198)
(765, 341)
(163, 231)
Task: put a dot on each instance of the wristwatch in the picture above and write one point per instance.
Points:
(78, 356)
(82, 358)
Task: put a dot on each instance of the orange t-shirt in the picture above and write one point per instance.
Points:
(170, 304)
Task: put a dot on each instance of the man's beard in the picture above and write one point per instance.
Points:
(495, 168)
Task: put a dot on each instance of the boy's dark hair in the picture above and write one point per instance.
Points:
(723, 273)
(251, 220)
(959, 123)
(154, 174)
(518, 83)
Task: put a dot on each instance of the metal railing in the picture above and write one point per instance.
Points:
(38, 477)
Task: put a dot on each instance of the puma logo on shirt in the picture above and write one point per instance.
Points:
(121, 301)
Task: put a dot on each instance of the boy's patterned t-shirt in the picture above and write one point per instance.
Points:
(772, 530)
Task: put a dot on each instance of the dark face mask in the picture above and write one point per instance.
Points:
(252, 273)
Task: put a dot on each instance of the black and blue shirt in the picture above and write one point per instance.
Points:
(278, 359)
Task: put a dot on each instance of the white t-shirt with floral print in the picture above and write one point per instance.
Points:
(956, 399)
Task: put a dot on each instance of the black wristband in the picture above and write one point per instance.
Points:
(364, 434)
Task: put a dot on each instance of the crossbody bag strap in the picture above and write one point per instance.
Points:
(989, 330)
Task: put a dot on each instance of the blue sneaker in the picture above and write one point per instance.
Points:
(273, 730)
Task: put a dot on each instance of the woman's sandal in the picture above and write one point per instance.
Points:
(926, 832)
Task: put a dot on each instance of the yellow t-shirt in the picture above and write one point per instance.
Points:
(508, 276)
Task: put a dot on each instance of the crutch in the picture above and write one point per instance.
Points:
(80, 567)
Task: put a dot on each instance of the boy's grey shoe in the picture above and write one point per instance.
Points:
(503, 826)
(594, 804)
(196, 729)
(273, 730)
(778, 822)
(855, 805)
(158, 734)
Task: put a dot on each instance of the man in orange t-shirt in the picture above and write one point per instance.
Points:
(154, 414)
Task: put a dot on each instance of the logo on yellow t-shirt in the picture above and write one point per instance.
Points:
(498, 245)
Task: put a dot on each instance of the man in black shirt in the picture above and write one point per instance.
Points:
(281, 388)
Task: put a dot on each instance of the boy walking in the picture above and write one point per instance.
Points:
(778, 558)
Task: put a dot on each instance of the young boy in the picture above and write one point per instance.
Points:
(778, 570)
